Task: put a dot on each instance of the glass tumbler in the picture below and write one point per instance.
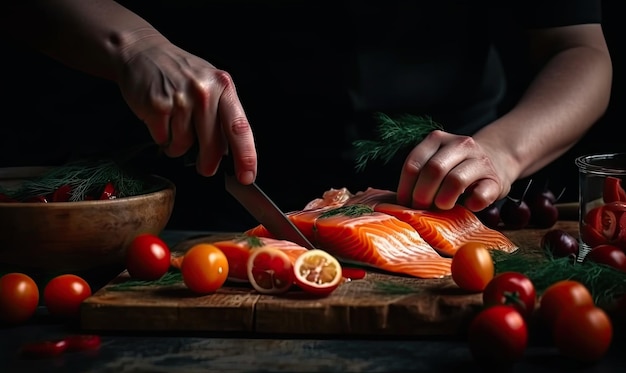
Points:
(602, 210)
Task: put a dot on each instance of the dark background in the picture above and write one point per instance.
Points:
(52, 113)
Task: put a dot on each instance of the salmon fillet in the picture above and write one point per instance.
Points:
(444, 230)
(357, 234)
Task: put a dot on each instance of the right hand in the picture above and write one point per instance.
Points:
(183, 99)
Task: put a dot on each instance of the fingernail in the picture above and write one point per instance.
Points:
(246, 177)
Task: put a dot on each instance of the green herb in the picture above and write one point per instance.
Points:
(172, 277)
(251, 241)
(604, 282)
(84, 177)
(393, 134)
(349, 210)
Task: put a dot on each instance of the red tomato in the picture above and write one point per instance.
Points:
(498, 335)
(269, 270)
(561, 295)
(514, 289)
(147, 257)
(317, 272)
(591, 236)
(64, 294)
(19, 297)
(472, 267)
(613, 191)
(610, 255)
(583, 333)
(204, 268)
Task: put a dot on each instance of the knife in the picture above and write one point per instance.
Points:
(262, 208)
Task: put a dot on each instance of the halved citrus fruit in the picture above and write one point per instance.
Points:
(270, 271)
(318, 272)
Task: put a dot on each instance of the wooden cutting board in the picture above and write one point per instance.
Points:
(379, 304)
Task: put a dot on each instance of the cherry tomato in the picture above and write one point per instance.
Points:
(583, 333)
(204, 268)
(147, 257)
(64, 294)
(19, 297)
(472, 267)
(317, 272)
(514, 289)
(498, 335)
(270, 270)
(610, 255)
(561, 295)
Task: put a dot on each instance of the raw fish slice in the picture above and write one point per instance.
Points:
(448, 230)
(445, 230)
(371, 238)
(330, 198)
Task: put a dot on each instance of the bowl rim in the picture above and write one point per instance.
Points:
(167, 185)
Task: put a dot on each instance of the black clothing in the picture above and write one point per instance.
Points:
(310, 76)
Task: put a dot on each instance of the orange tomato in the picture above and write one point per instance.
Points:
(317, 272)
(64, 294)
(562, 295)
(204, 268)
(472, 267)
(270, 270)
(19, 297)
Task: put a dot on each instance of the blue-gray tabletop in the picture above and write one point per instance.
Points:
(213, 352)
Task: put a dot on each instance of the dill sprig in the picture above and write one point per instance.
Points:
(393, 134)
(604, 282)
(83, 177)
(348, 210)
(171, 277)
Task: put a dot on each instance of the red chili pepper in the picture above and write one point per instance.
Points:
(613, 191)
(48, 349)
(62, 193)
(44, 349)
(353, 273)
(108, 192)
(41, 199)
(83, 342)
(5, 198)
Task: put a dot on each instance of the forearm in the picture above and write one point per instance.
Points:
(565, 99)
(94, 36)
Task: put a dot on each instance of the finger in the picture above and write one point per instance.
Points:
(211, 141)
(238, 132)
(159, 128)
(413, 166)
(481, 194)
(158, 118)
(182, 133)
(448, 169)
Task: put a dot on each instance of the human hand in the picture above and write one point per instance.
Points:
(445, 167)
(183, 99)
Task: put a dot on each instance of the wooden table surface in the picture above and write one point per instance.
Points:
(380, 304)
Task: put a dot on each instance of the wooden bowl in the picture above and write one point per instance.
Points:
(58, 237)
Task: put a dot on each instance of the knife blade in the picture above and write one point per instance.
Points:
(264, 210)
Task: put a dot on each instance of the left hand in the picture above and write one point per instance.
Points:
(445, 167)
